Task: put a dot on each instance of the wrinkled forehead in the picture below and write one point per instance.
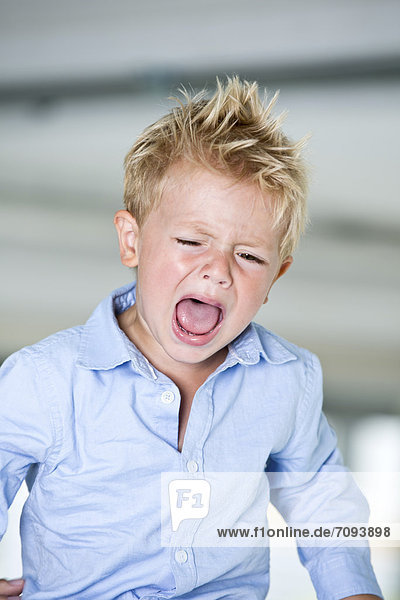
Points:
(191, 183)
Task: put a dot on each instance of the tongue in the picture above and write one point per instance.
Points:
(197, 317)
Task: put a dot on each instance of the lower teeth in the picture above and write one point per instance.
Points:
(185, 330)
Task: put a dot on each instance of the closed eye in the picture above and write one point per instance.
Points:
(251, 258)
(187, 242)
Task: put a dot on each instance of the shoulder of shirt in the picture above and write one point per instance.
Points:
(271, 342)
(60, 347)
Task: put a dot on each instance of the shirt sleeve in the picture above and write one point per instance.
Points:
(309, 484)
(26, 427)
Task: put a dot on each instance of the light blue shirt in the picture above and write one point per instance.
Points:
(92, 425)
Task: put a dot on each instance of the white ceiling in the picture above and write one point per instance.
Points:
(61, 164)
(56, 39)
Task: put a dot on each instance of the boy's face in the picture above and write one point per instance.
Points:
(207, 258)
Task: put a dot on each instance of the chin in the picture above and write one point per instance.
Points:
(192, 355)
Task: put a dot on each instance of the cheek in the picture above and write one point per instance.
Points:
(256, 286)
(176, 265)
(253, 292)
(160, 272)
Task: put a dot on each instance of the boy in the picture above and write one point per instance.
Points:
(169, 375)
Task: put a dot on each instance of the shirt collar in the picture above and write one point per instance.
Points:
(105, 346)
(255, 342)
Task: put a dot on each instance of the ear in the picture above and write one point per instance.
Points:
(128, 237)
(282, 270)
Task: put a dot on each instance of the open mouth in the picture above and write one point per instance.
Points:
(196, 321)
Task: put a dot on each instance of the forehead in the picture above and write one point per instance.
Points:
(194, 193)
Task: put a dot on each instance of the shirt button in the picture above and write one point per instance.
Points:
(192, 466)
(181, 556)
(167, 397)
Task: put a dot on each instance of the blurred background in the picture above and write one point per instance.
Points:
(78, 83)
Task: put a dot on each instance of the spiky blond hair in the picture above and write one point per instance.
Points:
(233, 132)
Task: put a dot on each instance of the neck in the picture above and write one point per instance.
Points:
(184, 375)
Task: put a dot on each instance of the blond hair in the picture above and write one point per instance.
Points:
(232, 132)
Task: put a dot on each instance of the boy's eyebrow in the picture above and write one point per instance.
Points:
(202, 229)
(198, 227)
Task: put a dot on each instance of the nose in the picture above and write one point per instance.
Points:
(217, 269)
